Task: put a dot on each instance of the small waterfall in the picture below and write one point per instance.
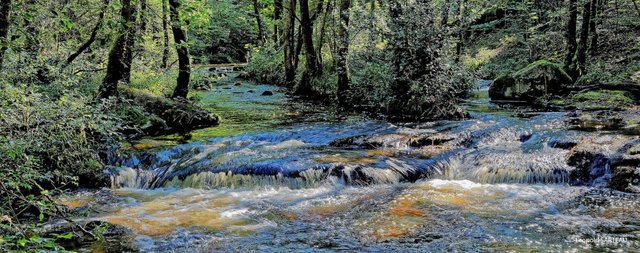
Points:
(336, 174)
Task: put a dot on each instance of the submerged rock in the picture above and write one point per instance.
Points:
(589, 166)
(562, 143)
(626, 169)
(244, 75)
(530, 83)
(267, 93)
(626, 178)
(203, 85)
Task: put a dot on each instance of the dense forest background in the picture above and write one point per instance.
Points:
(77, 77)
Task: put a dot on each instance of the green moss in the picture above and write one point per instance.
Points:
(602, 99)
(543, 68)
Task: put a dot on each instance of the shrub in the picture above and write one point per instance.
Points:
(266, 65)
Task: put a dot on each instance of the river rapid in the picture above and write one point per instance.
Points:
(280, 175)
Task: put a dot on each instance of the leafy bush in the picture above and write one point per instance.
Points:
(47, 145)
(266, 65)
(371, 75)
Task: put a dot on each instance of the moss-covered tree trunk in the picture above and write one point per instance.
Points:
(180, 38)
(312, 70)
(343, 51)
(120, 57)
(5, 20)
(277, 19)
(289, 45)
(570, 37)
(583, 46)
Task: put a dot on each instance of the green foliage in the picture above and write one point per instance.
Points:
(370, 77)
(267, 65)
(46, 143)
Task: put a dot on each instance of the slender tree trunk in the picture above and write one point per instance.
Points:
(180, 38)
(445, 14)
(372, 23)
(143, 16)
(312, 70)
(120, 57)
(583, 46)
(165, 32)
(327, 13)
(92, 37)
(277, 17)
(343, 51)
(634, 5)
(572, 45)
(298, 50)
(256, 12)
(461, 28)
(593, 25)
(5, 21)
(289, 45)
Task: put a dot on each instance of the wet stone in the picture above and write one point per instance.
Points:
(267, 93)
(431, 140)
(562, 143)
(626, 178)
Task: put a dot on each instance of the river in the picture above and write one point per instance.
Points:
(280, 175)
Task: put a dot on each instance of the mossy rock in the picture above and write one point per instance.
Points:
(602, 99)
(539, 79)
(169, 116)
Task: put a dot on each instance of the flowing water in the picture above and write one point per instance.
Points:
(280, 175)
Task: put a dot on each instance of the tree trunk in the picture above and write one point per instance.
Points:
(180, 39)
(5, 21)
(143, 16)
(372, 23)
(256, 12)
(298, 50)
(593, 25)
(120, 57)
(277, 17)
(572, 45)
(584, 39)
(92, 37)
(445, 14)
(312, 70)
(343, 52)
(165, 32)
(289, 45)
(461, 30)
(634, 5)
(327, 13)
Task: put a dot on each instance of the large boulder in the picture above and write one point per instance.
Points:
(530, 83)
(168, 116)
